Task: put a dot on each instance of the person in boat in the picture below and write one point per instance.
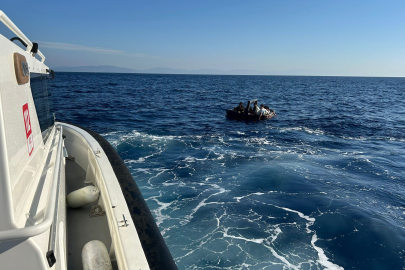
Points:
(240, 108)
(270, 110)
(256, 109)
(263, 111)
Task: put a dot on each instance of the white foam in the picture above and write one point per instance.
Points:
(166, 184)
(143, 170)
(312, 220)
(277, 232)
(158, 212)
(160, 171)
(257, 241)
(354, 138)
(189, 159)
(139, 160)
(203, 202)
(242, 197)
(119, 137)
(396, 139)
(305, 129)
(259, 141)
(282, 258)
(179, 258)
(244, 266)
(323, 260)
(193, 159)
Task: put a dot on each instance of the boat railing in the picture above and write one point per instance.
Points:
(7, 22)
(45, 224)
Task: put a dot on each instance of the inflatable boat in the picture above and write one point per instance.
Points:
(246, 115)
(67, 200)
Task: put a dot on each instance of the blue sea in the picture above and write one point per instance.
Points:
(320, 186)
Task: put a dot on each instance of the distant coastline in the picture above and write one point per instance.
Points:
(161, 70)
(158, 70)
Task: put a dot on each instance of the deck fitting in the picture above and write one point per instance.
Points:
(96, 211)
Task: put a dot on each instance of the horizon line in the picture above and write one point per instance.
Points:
(207, 74)
(248, 72)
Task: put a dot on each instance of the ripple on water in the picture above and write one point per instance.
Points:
(320, 186)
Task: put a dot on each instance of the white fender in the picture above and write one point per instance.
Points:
(83, 196)
(95, 256)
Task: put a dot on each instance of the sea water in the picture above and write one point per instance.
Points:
(320, 186)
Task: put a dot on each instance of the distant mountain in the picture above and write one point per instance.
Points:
(161, 70)
(157, 70)
(248, 72)
(109, 69)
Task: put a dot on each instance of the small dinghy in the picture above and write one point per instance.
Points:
(247, 114)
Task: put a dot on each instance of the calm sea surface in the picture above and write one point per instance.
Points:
(320, 186)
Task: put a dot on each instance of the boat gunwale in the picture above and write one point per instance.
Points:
(153, 244)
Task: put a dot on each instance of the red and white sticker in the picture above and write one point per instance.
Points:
(28, 129)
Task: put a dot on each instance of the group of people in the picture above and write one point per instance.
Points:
(263, 110)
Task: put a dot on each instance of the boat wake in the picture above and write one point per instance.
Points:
(241, 201)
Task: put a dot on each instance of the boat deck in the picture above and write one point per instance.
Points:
(80, 227)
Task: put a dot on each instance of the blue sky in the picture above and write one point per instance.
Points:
(351, 38)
